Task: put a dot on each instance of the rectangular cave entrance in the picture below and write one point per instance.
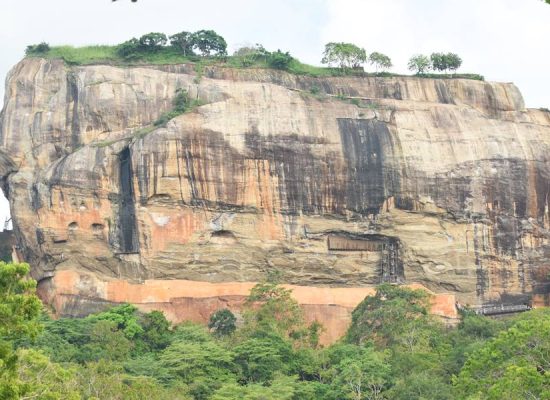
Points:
(128, 235)
(390, 267)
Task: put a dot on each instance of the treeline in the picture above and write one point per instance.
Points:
(207, 46)
(351, 56)
(195, 46)
(394, 349)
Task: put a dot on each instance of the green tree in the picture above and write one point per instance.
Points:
(107, 342)
(37, 49)
(183, 41)
(197, 360)
(421, 385)
(445, 62)
(260, 358)
(439, 62)
(271, 308)
(222, 322)
(419, 63)
(153, 41)
(453, 61)
(282, 388)
(513, 365)
(395, 315)
(107, 380)
(129, 50)
(124, 317)
(363, 374)
(380, 61)
(345, 55)
(280, 60)
(40, 378)
(209, 43)
(19, 311)
(156, 330)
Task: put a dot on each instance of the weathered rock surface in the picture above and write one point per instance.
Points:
(444, 183)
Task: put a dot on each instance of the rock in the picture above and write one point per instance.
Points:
(337, 183)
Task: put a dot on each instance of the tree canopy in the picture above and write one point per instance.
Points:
(380, 61)
(393, 350)
(344, 55)
(445, 61)
(419, 63)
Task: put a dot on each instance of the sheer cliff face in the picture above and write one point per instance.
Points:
(333, 182)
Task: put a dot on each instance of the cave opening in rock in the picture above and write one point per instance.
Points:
(129, 242)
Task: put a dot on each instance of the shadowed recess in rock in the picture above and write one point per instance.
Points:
(391, 265)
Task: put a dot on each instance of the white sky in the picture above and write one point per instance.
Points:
(504, 40)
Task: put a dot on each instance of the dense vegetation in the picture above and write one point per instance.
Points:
(206, 47)
(393, 350)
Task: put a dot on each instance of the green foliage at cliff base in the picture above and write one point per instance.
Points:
(394, 349)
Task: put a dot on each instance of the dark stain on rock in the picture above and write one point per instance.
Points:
(367, 146)
(72, 112)
(308, 183)
(129, 242)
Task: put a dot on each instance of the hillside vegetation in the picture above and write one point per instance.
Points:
(393, 350)
(208, 48)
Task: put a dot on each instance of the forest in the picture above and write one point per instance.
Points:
(394, 349)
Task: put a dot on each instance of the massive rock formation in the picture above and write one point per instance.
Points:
(336, 183)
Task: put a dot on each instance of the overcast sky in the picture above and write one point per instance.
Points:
(504, 40)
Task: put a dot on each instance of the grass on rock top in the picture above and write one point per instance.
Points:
(103, 54)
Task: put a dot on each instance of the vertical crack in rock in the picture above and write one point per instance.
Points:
(129, 242)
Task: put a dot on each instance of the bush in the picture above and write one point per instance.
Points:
(280, 60)
(129, 49)
(37, 49)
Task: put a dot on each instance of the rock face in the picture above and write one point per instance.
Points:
(333, 182)
(7, 241)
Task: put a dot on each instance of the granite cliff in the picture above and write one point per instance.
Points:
(336, 183)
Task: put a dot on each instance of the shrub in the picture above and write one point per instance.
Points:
(249, 55)
(129, 49)
(280, 60)
(37, 49)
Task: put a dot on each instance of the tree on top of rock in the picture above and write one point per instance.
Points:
(209, 43)
(445, 62)
(345, 55)
(380, 61)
